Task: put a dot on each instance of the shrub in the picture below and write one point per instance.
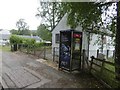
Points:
(15, 39)
(28, 43)
(38, 45)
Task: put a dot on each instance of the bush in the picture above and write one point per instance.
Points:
(15, 39)
(28, 43)
(20, 40)
(38, 45)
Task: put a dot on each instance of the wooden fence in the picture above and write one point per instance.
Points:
(44, 51)
(104, 71)
(101, 69)
(56, 54)
(107, 53)
(40, 52)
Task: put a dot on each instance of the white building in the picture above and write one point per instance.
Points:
(4, 36)
(62, 25)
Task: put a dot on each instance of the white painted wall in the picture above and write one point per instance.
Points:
(4, 36)
(4, 31)
(62, 25)
(93, 47)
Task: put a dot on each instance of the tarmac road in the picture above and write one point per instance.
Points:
(19, 70)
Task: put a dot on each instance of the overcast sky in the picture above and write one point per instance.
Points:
(12, 10)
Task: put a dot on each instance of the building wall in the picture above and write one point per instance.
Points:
(62, 25)
(94, 46)
(4, 39)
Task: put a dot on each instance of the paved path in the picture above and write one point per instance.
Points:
(15, 75)
(21, 71)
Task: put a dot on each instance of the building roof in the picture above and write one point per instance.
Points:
(62, 25)
(4, 31)
(4, 36)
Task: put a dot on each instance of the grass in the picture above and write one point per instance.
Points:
(5, 48)
(107, 76)
(110, 59)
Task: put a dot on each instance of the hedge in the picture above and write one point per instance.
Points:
(29, 42)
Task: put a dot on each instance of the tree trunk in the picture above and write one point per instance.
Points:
(53, 22)
(88, 43)
(117, 45)
(102, 36)
(15, 47)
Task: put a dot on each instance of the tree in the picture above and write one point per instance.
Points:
(23, 28)
(34, 32)
(44, 33)
(117, 44)
(25, 32)
(89, 14)
(86, 14)
(51, 13)
(13, 31)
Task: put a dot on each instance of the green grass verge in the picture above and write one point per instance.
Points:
(5, 48)
(107, 76)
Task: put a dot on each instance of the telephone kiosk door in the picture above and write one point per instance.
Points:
(76, 50)
(65, 50)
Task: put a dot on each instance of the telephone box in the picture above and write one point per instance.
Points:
(70, 50)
